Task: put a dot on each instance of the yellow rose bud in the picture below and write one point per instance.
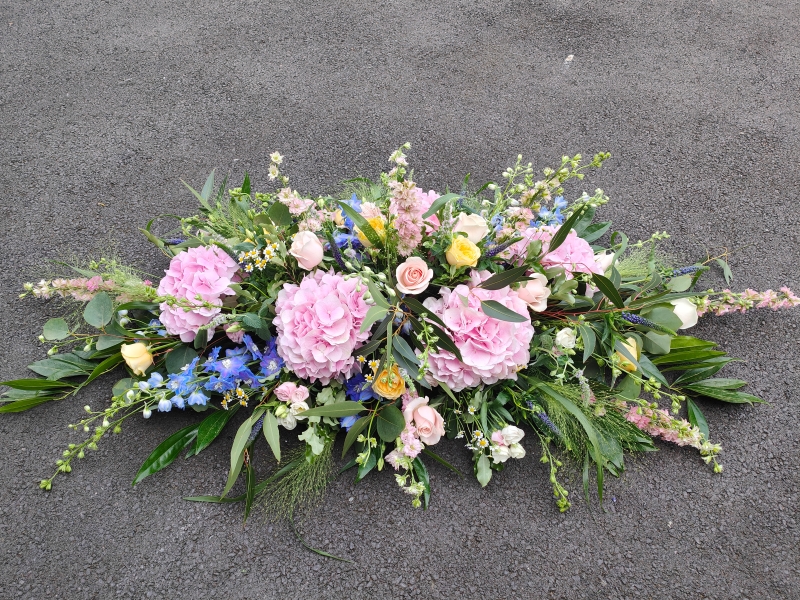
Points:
(137, 357)
(338, 218)
(390, 384)
(633, 348)
(462, 253)
(379, 225)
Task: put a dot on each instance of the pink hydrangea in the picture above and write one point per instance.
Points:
(575, 254)
(492, 349)
(318, 325)
(195, 276)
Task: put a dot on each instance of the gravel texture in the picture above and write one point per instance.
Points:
(105, 106)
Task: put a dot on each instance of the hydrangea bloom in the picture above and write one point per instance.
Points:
(318, 325)
(575, 254)
(204, 272)
(492, 349)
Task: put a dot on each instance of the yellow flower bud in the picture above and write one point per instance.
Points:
(633, 348)
(462, 253)
(389, 383)
(137, 357)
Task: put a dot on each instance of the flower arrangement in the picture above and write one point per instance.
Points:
(395, 317)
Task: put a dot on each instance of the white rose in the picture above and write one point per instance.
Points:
(516, 451)
(473, 225)
(566, 338)
(686, 311)
(512, 435)
(500, 454)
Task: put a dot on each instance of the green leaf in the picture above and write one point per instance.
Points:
(208, 187)
(696, 417)
(353, 433)
(650, 370)
(445, 342)
(377, 295)
(373, 314)
(259, 488)
(246, 184)
(588, 338)
(104, 367)
(620, 347)
(657, 343)
(495, 310)
(418, 308)
(680, 284)
(238, 447)
(271, 434)
(212, 426)
(442, 461)
(663, 316)
(122, 386)
(179, 357)
(367, 466)
(505, 278)
(628, 387)
(362, 224)
(402, 346)
(369, 347)
(609, 290)
(108, 341)
(724, 395)
(21, 404)
(36, 384)
(250, 490)
(56, 329)
(422, 476)
(722, 383)
(698, 374)
(483, 471)
(337, 409)
(390, 423)
(279, 214)
(584, 221)
(55, 369)
(439, 203)
(564, 230)
(686, 356)
(726, 270)
(200, 339)
(99, 311)
(596, 231)
(167, 451)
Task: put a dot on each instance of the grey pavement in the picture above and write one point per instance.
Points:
(105, 106)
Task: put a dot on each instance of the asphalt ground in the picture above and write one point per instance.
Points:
(106, 106)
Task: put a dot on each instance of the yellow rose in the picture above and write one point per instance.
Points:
(390, 384)
(633, 349)
(379, 225)
(462, 253)
(137, 357)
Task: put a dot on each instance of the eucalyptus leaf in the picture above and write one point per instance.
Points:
(495, 310)
(483, 470)
(56, 329)
(272, 434)
(99, 310)
(390, 423)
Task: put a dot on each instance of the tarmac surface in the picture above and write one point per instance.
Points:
(106, 106)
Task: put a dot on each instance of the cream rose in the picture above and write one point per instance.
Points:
(429, 423)
(473, 225)
(535, 292)
(566, 338)
(307, 249)
(137, 356)
(413, 276)
(686, 311)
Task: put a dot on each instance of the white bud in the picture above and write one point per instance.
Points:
(130, 395)
(146, 413)
(122, 313)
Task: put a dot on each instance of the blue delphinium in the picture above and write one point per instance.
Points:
(358, 389)
(251, 346)
(347, 422)
(271, 364)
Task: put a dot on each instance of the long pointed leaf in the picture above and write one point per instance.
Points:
(166, 452)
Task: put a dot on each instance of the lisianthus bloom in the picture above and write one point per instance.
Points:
(137, 356)
(492, 349)
(198, 275)
(462, 253)
(318, 325)
(291, 392)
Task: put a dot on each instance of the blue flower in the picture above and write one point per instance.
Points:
(178, 401)
(559, 202)
(164, 405)
(497, 222)
(358, 388)
(157, 323)
(197, 398)
(356, 204)
(347, 422)
(271, 363)
(216, 384)
(251, 346)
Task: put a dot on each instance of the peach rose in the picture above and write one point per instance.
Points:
(535, 292)
(429, 423)
(390, 384)
(137, 356)
(307, 249)
(413, 276)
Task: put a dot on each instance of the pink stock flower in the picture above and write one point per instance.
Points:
(492, 349)
(195, 276)
(318, 325)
